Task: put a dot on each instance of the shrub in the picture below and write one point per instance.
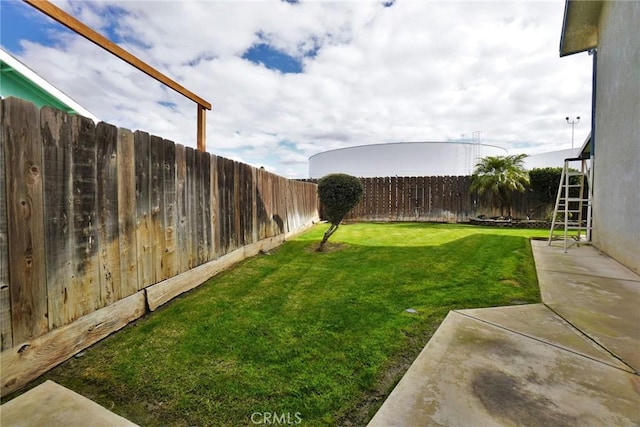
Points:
(544, 183)
(338, 193)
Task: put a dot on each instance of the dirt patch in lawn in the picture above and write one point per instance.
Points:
(329, 247)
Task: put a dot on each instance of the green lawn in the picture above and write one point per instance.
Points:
(319, 338)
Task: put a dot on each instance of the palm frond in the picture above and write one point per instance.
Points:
(501, 176)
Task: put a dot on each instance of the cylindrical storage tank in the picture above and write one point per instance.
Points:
(403, 159)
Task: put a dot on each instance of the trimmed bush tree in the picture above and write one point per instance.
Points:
(339, 193)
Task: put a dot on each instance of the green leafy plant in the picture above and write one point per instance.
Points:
(338, 193)
(544, 184)
(501, 176)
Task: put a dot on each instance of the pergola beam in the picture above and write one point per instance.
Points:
(75, 25)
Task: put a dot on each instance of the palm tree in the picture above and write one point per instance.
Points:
(501, 176)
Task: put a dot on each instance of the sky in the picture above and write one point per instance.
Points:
(289, 79)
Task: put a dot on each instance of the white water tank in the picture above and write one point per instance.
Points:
(403, 159)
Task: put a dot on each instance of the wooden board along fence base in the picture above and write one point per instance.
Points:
(30, 359)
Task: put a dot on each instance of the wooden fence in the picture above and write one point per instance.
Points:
(433, 198)
(96, 216)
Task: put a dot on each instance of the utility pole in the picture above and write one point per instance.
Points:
(573, 123)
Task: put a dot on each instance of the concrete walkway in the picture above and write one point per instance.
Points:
(572, 361)
(51, 404)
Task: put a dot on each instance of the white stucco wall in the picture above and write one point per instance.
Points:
(402, 159)
(616, 205)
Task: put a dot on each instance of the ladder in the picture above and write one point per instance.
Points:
(573, 203)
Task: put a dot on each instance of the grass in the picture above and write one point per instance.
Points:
(321, 338)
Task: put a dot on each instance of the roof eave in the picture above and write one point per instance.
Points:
(579, 26)
(585, 150)
(44, 85)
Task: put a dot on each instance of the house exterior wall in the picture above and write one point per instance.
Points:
(616, 204)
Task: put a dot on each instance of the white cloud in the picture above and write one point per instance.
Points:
(418, 70)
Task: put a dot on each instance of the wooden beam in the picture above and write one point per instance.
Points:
(73, 24)
(202, 128)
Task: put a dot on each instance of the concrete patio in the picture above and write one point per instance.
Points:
(573, 360)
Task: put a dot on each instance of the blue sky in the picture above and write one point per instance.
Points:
(290, 79)
(273, 59)
(18, 23)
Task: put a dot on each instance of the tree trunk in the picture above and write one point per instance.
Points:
(326, 236)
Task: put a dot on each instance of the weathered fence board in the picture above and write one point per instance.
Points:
(281, 215)
(198, 209)
(223, 237)
(265, 211)
(5, 318)
(235, 207)
(6, 335)
(261, 210)
(254, 212)
(183, 236)
(292, 207)
(247, 204)
(83, 293)
(214, 204)
(243, 200)
(107, 218)
(168, 211)
(204, 206)
(402, 198)
(127, 213)
(276, 219)
(25, 219)
(156, 200)
(270, 203)
(58, 208)
(205, 178)
(227, 212)
(143, 210)
(191, 202)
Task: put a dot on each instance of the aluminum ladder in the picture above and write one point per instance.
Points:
(573, 203)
